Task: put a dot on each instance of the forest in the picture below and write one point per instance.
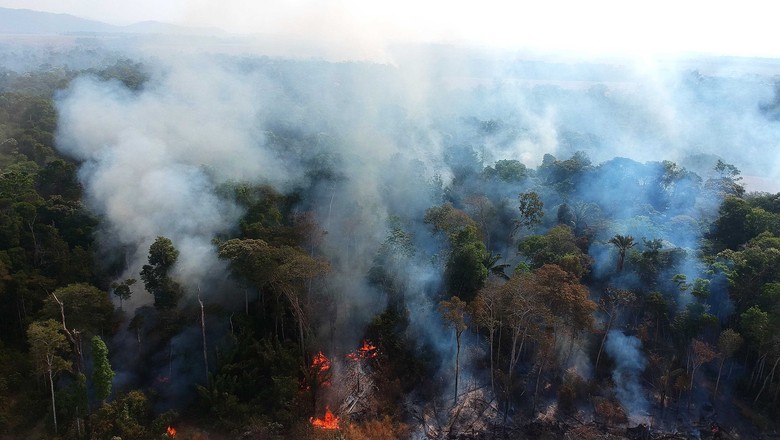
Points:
(224, 246)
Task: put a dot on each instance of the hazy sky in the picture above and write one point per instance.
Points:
(595, 26)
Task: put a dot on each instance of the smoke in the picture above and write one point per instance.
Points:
(626, 351)
(152, 159)
(351, 138)
(361, 142)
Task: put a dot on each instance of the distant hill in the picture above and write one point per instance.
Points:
(25, 21)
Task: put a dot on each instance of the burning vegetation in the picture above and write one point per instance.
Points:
(328, 421)
(365, 352)
(499, 292)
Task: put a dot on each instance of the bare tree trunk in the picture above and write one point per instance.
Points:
(51, 386)
(717, 382)
(74, 336)
(492, 375)
(457, 364)
(603, 340)
(78, 421)
(19, 305)
(538, 376)
(36, 249)
(771, 376)
(690, 390)
(758, 370)
(203, 333)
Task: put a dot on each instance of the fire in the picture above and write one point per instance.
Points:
(367, 351)
(328, 422)
(319, 372)
(171, 431)
(320, 363)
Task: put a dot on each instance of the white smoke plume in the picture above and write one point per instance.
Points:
(152, 159)
(626, 351)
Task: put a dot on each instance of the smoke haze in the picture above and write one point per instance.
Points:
(362, 143)
(154, 158)
(629, 364)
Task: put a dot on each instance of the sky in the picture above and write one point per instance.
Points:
(659, 27)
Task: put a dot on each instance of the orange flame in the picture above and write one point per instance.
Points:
(328, 422)
(171, 431)
(320, 363)
(367, 351)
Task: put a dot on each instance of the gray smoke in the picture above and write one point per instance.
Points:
(626, 351)
(153, 159)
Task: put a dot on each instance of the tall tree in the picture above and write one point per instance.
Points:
(700, 353)
(47, 344)
(454, 312)
(531, 209)
(156, 274)
(729, 342)
(482, 210)
(487, 308)
(122, 290)
(623, 243)
(102, 373)
(283, 270)
(728, 180)
(611, 303)
(465, 271)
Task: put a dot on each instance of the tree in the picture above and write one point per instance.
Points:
(611, 303)
(493, 267)
(510, 171)
(701, 353)
(531, 210)
(731, 230)
(727, 181)
(391, 259)
(484, 212)
(566, 216)
(87, 309)
(102, 374)
(47, 344)
(729, 342)
(486, 309)
(122, 290)
(465, 271)
(566, 298)
(447, 219)
(156, 274)
(753, 267)
(283, 269)
(558, 246)
(526, 316)
(128, 416)
(623, 243)
(454, 312)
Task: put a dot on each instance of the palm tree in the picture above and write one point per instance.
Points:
(491, 264)
(623, 243)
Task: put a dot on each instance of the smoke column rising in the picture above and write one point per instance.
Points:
(629, 364)
(152, 159)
